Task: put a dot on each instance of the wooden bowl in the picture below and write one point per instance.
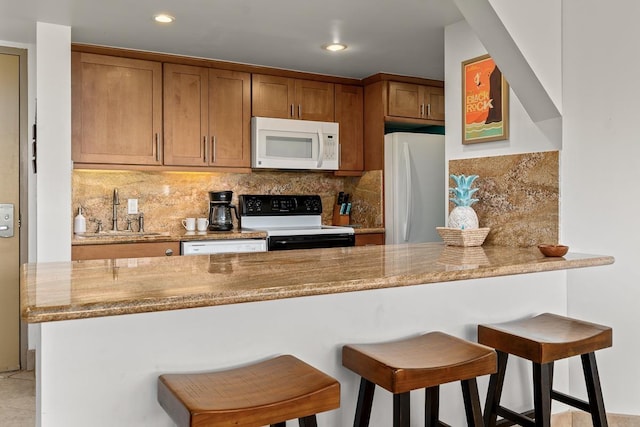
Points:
(553, 250)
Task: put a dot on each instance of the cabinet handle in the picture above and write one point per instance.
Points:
(157, 148)
(291, 112)
(204, 149)
(213, 151)
(421, 110)
(299, 111)
(428, 110)
(168, 252)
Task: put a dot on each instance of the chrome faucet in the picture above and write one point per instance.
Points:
(116, 202)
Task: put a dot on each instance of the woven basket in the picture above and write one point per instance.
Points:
(467, 237)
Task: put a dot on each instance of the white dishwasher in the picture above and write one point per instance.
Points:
(230, 246)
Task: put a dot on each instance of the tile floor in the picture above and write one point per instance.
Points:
(17, 399)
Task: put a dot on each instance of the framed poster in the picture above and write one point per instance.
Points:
(485, 101)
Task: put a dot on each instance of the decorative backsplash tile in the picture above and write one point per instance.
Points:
(167, 197)
(518, 196)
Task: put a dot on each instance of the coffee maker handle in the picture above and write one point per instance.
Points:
(235, 210)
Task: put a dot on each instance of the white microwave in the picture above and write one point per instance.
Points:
(294, 144)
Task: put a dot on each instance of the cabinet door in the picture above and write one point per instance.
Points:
(314, 101)
(435, 103)
(230, 118)
(369, 239)
(125, 250)
(185, 115)
(349, 115)
(272, 96)
(406, 100)
(116, 110)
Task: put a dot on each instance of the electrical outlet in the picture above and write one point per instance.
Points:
(132, 206)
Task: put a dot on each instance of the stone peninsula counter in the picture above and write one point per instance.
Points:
(83, 289)
(106, 329)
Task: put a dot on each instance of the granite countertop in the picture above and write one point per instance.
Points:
(83, 289)
(132, 237)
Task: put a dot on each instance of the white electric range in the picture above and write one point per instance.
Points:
(292, 222)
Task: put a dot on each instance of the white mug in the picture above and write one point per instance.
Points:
(189, 224)
(202, 224)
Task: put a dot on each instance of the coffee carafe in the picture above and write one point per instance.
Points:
(220, 218)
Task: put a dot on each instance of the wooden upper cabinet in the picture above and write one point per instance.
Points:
(230, 118)
(315, 100)
(416, 101)
(288, 98)
(435, 101)
(186, 127)
(402, 102)
(206, 117)
(116, 110)
(272, 96)
(349, 115)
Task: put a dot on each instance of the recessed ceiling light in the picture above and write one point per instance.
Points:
(334, 47)
(163, 18)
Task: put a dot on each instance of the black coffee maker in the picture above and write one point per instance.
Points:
(220, 218)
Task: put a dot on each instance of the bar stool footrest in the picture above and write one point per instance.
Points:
(512, 418)
(570, 400)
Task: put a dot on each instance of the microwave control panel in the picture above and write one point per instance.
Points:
(330, 148)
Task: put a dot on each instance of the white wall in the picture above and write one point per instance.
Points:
(601, 157)
(54, 142)
(535, 26)
(524, 137)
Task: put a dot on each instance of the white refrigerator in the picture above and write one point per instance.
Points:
(414, 187)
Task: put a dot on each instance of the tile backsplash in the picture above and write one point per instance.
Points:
(167, 197)
(518, 196)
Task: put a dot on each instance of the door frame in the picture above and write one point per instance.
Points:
(24, 165)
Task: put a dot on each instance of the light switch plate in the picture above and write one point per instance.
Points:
(132, 206)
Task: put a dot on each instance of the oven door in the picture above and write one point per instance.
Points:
(280, 243)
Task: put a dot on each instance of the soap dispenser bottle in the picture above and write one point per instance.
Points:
(79, 222)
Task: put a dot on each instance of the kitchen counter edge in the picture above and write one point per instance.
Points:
(520, 263)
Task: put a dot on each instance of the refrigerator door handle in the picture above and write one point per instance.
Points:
(407, 219)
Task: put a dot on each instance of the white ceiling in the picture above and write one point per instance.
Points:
(393, 36)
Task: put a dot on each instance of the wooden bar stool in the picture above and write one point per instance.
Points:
(426, 361)
(542, 340)
(266, 393)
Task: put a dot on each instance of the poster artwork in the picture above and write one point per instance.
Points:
(485, 102)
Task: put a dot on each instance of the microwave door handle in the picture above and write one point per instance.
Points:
(320, 148)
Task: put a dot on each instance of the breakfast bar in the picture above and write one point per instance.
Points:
(109, 328)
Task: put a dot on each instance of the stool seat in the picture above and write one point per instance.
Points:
(546, 337)
(543, 339)
(427, 360)
(268, 392)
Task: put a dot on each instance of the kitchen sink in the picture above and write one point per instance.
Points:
(122, 234)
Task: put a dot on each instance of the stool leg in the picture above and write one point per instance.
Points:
(432, 406)
(309, 421)
(592, 379)
(401, 409)
(542, 393)
(495, 391)
(365, 400)
(472, 403)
